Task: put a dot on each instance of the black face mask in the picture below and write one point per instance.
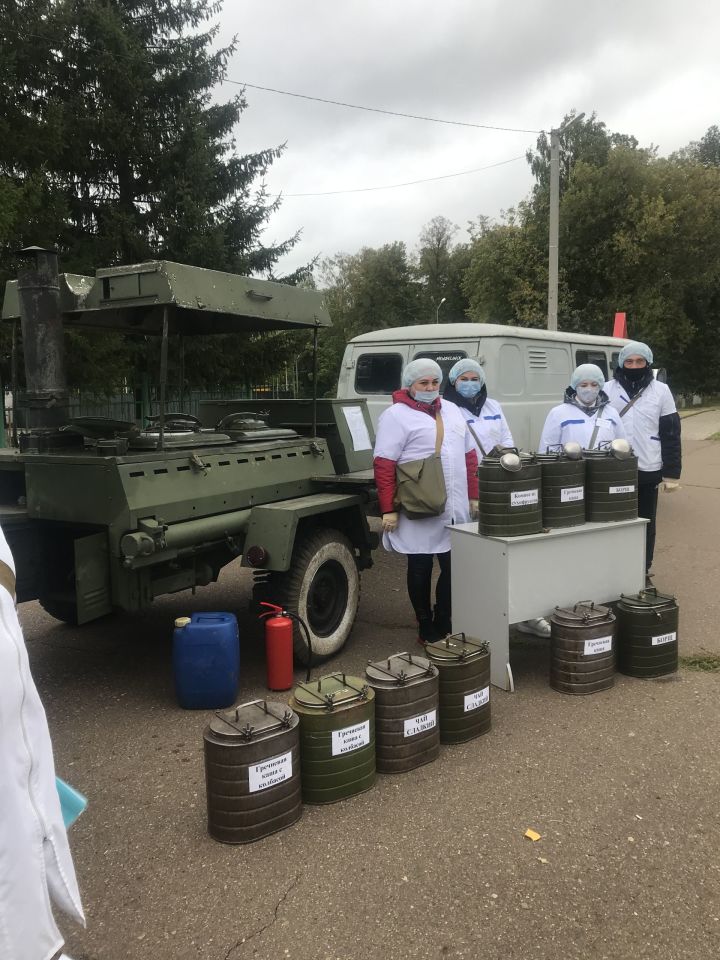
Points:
(634, 374)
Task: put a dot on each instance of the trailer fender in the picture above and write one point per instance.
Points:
(273, 528)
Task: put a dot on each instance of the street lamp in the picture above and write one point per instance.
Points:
(437, 309)
(552, 318)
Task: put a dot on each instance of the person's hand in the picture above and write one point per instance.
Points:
(389, 522)
(474, 509)
(670, 486)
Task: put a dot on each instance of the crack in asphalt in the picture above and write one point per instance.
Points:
(256, 933)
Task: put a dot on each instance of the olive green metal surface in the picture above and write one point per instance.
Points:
(648, 634)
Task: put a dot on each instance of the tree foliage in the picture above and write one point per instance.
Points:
(113, 150)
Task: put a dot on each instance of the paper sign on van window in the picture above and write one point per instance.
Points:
(523, 498)
(357, 428)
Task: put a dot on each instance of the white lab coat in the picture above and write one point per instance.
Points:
(642, 421)
(35, 862)
(569, 422)
(405, 434)
(490, 426)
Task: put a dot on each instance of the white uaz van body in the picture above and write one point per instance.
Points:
(527, 369)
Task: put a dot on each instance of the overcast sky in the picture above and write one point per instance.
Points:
(646, 67)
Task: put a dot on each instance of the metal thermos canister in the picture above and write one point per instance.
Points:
(611, 480)
(464, 667)
(407, 734)
(582, 648)
(510, 504)
(337, 737)
(647, 642)
(252, 771)
(563, 489)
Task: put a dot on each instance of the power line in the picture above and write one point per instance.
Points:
(408, 183)
(389, 113)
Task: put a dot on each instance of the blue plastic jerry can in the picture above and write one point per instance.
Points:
(206, 660)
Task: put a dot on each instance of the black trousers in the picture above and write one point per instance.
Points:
(647, 508)
(419, 581)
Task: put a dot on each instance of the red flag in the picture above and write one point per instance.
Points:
(620, 328)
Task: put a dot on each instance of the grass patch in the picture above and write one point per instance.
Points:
(714, 436)
(701, 661)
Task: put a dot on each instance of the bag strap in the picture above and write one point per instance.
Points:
(7, 578)
(634, 400)
(439, 433)
(476, 438)
(596, 428)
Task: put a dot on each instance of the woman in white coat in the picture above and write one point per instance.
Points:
(35, 862)
(585, 415)
(488, 428)
(407, 431)
(466, 388)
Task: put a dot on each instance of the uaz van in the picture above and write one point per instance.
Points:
(527, 369)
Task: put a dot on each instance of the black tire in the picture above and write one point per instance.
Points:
(61, 606)
(322, 587)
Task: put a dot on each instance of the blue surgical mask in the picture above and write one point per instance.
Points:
(587, 395)
(468, 388)
(426, 396)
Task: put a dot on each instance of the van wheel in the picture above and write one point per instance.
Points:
(322, 587)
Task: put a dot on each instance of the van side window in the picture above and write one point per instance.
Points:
(510, 372)
(445, 360)
(378, 372)
(597, 357)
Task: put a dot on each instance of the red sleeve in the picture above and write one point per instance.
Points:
(471, 461)
(386, 483)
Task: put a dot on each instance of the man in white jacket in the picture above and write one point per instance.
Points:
(35, 863)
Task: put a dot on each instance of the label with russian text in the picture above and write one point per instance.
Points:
(570, 494)
(477, 699)
(625, 488)
(664, 638)
(350, 738)
(523, 498)
(426, 721)
(601, 645)
(270, 772)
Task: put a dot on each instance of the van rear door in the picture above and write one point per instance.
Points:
(372, 372)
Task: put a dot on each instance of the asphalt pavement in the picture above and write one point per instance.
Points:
(622, 786)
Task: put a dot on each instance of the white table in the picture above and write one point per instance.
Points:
(497, 581)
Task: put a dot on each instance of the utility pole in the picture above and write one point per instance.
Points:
(552, 319)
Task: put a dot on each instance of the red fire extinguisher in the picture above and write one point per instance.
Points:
(279, 646)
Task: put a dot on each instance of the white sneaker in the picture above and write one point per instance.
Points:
(539, 627)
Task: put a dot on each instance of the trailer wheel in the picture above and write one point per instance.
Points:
(61, 606)
(322, 587)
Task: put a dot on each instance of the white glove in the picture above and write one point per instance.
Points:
(389, 522)
(670, 486)
(474, 509)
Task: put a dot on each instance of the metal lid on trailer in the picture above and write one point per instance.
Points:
(333, 691)
(255, 720)
(399, 670)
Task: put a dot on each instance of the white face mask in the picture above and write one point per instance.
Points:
(587, 395)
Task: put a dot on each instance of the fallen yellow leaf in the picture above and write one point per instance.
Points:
(532, 834)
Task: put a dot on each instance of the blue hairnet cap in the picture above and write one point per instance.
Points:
(587, 371)
(417, 369)
(466, 365)
(635, 349)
